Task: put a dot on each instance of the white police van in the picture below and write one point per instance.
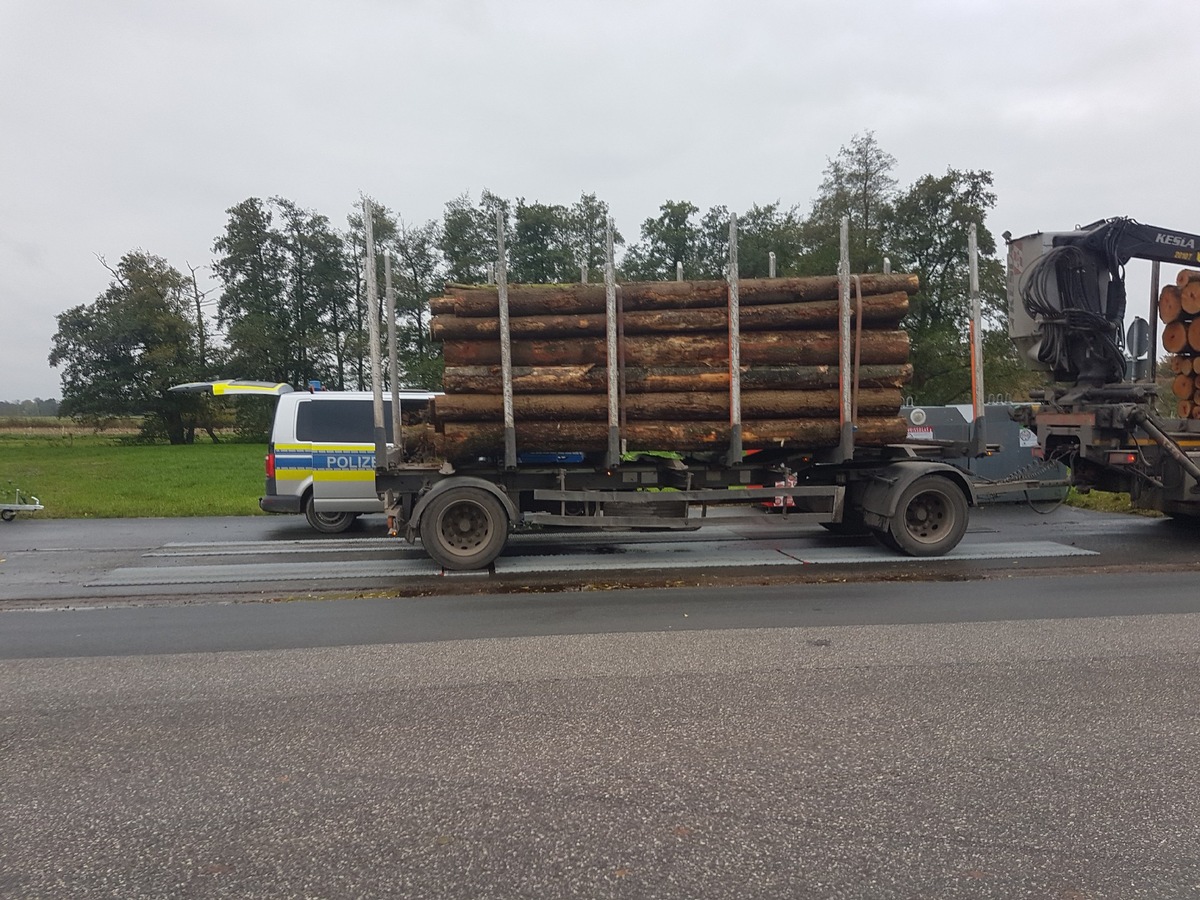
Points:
(321, 455)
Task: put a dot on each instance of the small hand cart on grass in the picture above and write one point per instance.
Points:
(21, 502)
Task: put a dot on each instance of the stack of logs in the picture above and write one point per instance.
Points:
(1179, 311)
(674, 365)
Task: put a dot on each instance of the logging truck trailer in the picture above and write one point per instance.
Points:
(464, 509)
(463, 514)
(1100, 416)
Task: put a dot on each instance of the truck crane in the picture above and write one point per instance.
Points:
(1067, 305)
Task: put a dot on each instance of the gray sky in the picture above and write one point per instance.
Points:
(137, 124)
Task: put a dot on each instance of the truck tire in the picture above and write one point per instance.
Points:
(930, 518)
(327, 522)
(464, 528)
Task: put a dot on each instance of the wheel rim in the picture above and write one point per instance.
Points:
(330, 518)
(464, 527)
(929, 517)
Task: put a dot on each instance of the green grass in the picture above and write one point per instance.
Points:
(1105, 501)
(96, 476)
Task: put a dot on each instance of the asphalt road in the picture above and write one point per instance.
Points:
(988, 727)
(54, 562)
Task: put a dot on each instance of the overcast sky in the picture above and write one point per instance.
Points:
(137, 124)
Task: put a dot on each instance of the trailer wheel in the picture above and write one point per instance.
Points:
(327, 522)
(930, 518)
(8, 514)
(464, 528)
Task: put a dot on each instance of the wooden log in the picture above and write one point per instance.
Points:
(1193, 334)
(1175, 337)
(1183, 387)
(809, 348)
(1170, 304)
(588, 379)
(462, 440)
(1184, 277)
(1195, 410)
(881, 310)
(1189, 298)
(662, 407)
(1184, 409)
(1180, 365)
(540, 299)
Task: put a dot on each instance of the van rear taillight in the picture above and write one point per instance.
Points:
(270, 463)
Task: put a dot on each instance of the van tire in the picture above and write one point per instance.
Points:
(327, 522)
(464, 528)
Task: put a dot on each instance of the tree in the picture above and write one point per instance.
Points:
(588, 226)
(252, 309)
(858, 183)
(671, 238)
(285, 292)
(417, 276)
(468, 236)
(121, 353)
(927, 233)
(540, 248)
(763, 230)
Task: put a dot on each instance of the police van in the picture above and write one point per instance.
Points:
(321, 455)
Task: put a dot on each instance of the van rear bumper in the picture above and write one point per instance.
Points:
(278, 504)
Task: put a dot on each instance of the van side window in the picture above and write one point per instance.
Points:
(339, 421)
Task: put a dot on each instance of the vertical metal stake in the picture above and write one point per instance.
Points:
(735, 350)
(373, 333)
(389, 295)
(610, 334)
(678, 271)
(1149, 374)
(846, 445)
(771, 264)
(978, 435)
(510, 429)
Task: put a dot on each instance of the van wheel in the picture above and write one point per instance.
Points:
(464, 528)
(327, 522)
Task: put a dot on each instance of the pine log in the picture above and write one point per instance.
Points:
(1183, 409)
(1195, 410)
(809, 348)
(1193, 334)
(1189, 298)
(1170, 304)
(589, 379)
(540, 299)
(1180, 365)
(461, 440)
(879, 310)
(662, 407)
(1183, 387)
(1175, 337)
(1185, 276)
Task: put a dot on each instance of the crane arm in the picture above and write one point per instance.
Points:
(1117, 241)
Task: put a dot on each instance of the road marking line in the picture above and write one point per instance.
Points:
(666, 556)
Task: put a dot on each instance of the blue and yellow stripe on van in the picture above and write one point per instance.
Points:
(349, 462)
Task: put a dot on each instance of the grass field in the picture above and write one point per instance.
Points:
(98, 476)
